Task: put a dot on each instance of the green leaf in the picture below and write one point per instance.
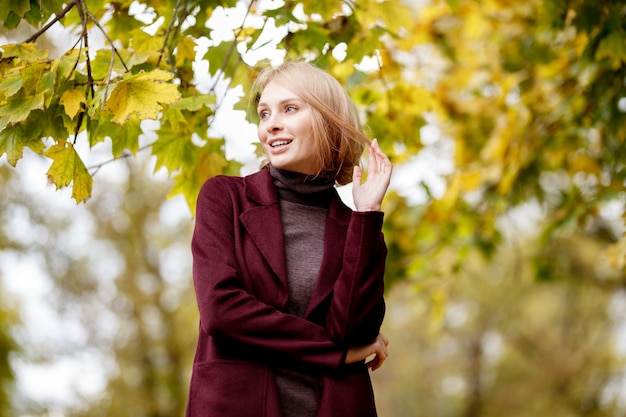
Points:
(68, 167)
(141, 95)
(122, 137)
(217, 56)
(210, 161)
(10, 83)
(46, 87)
(122, 25)
(194, 103)
(34, 15)
(314, 38)
(17, 109)
(12, 20)
(19, 8)
(13, 139)
(327, 9)
(613, 46)
(173, 149)
(64, 65)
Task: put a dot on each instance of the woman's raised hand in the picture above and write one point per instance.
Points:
(368, 196)
(378, 348)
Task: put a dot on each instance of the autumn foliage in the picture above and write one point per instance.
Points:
(529, 97)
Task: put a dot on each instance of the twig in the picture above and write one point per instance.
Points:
(82, 7)
(99, 166)
(109, 40)
(90, 84)
(233, 45)
(114, 52)
(58, 17)
(167, 31)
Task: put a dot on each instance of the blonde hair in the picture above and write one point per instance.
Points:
(337, 131)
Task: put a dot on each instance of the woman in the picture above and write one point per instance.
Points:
(289, 281)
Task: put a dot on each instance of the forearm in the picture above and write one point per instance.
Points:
(357, 308)
(230, 313)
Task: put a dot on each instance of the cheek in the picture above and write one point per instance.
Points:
(261, 134)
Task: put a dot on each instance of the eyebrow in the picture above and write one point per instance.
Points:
(282, 102)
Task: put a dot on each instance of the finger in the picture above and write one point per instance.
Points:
(383, 160)
(377, 362)
(372, 156)
(374, 364)
(357, 175)
(380, 161)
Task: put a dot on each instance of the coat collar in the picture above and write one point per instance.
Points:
(260, 188)
(263, 223)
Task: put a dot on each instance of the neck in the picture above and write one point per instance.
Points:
(303, 188)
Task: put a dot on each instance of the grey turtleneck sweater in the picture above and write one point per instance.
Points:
(304, 204)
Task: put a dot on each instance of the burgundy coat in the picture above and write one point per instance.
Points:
(240, 279)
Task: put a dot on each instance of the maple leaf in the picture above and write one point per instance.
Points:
(141, 94)
(72, 100)
(173, 149)
(17, 109)
(23, 51)
(13, 139)
(11, 83)
(68, 167)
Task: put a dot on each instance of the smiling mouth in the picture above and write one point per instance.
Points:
(280, 143)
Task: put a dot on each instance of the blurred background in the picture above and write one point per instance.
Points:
(506, 275)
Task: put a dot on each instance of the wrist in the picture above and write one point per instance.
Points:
(369, 208)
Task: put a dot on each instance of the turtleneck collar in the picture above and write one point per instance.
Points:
(302, 188)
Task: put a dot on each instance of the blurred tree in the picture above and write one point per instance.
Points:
(531, 96)
(489, 341)
(153, 303)
(8, 349)
(119, 289)
(9, 316)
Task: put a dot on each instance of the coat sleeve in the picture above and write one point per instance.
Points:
(230, 312)
(357, 307)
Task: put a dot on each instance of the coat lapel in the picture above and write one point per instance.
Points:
(334, 241)
(263, 224)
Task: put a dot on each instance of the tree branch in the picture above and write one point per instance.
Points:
(58, 17)
(126, 154)
(114, 52)
(167, 31)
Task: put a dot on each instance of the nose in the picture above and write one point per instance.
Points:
(274, 124)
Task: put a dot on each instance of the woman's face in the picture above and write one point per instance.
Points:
(285, 130)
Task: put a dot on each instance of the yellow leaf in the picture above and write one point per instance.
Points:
(452, 192)
(471, 179)
(72, 100)
(67, 167)
(142, 95)
(616, 253)
(23, 51)
(185, 51)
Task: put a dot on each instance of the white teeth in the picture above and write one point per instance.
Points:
(280, 143)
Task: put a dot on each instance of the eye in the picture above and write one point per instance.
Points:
(263, 114)
(290, 109)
